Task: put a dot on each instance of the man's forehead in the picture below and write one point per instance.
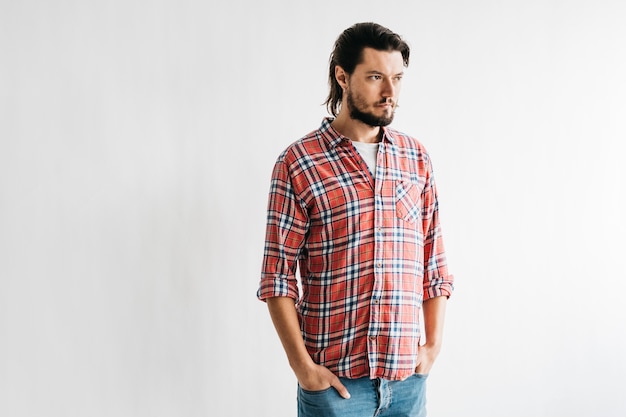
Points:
(373, 60)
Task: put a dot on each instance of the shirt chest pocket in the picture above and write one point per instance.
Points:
(408, 200)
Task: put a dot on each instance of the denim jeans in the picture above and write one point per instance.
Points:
(368, 398)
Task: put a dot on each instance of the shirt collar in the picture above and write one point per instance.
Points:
(334, 138)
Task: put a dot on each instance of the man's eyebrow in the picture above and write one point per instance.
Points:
(382, 73)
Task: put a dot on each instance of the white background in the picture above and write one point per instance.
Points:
(136, 143)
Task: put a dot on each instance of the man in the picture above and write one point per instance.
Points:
(354, 205)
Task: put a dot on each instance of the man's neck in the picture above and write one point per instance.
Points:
(356, 130)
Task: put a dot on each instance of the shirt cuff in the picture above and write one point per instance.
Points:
(437, 287)
(278, 287)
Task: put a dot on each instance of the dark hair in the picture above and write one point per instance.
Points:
(348, 54)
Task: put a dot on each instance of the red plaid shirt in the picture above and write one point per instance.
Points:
(369, 251)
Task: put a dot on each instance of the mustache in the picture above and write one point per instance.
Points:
(388, 100)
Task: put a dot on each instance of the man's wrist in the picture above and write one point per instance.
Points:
(302, 366)
(433, 347)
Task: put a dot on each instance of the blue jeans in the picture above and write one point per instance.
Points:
(368, 398)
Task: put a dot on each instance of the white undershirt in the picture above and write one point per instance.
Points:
(368, 152)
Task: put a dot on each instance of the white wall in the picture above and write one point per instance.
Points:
(136, 143)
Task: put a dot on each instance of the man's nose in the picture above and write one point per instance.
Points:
(388, 88)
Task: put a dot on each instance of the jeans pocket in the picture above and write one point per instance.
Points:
(317, 403)
(320, 392)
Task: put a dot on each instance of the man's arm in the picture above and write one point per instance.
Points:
(434, 313)
(311, 376)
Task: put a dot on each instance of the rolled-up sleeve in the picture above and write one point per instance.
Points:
(437, 281)
(287, 226)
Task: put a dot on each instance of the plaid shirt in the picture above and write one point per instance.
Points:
(369, 252)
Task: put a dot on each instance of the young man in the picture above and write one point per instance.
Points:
(354, 204)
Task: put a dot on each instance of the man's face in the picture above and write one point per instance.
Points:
(373, 88)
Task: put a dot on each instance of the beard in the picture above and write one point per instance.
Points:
(355, 106)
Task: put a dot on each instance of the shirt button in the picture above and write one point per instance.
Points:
(375, 301)
(372, 337)
(379, 264)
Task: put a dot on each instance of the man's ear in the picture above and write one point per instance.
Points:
(341, 76)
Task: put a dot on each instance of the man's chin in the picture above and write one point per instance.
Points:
(371, 119)
(384, 122)
(381, 121)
